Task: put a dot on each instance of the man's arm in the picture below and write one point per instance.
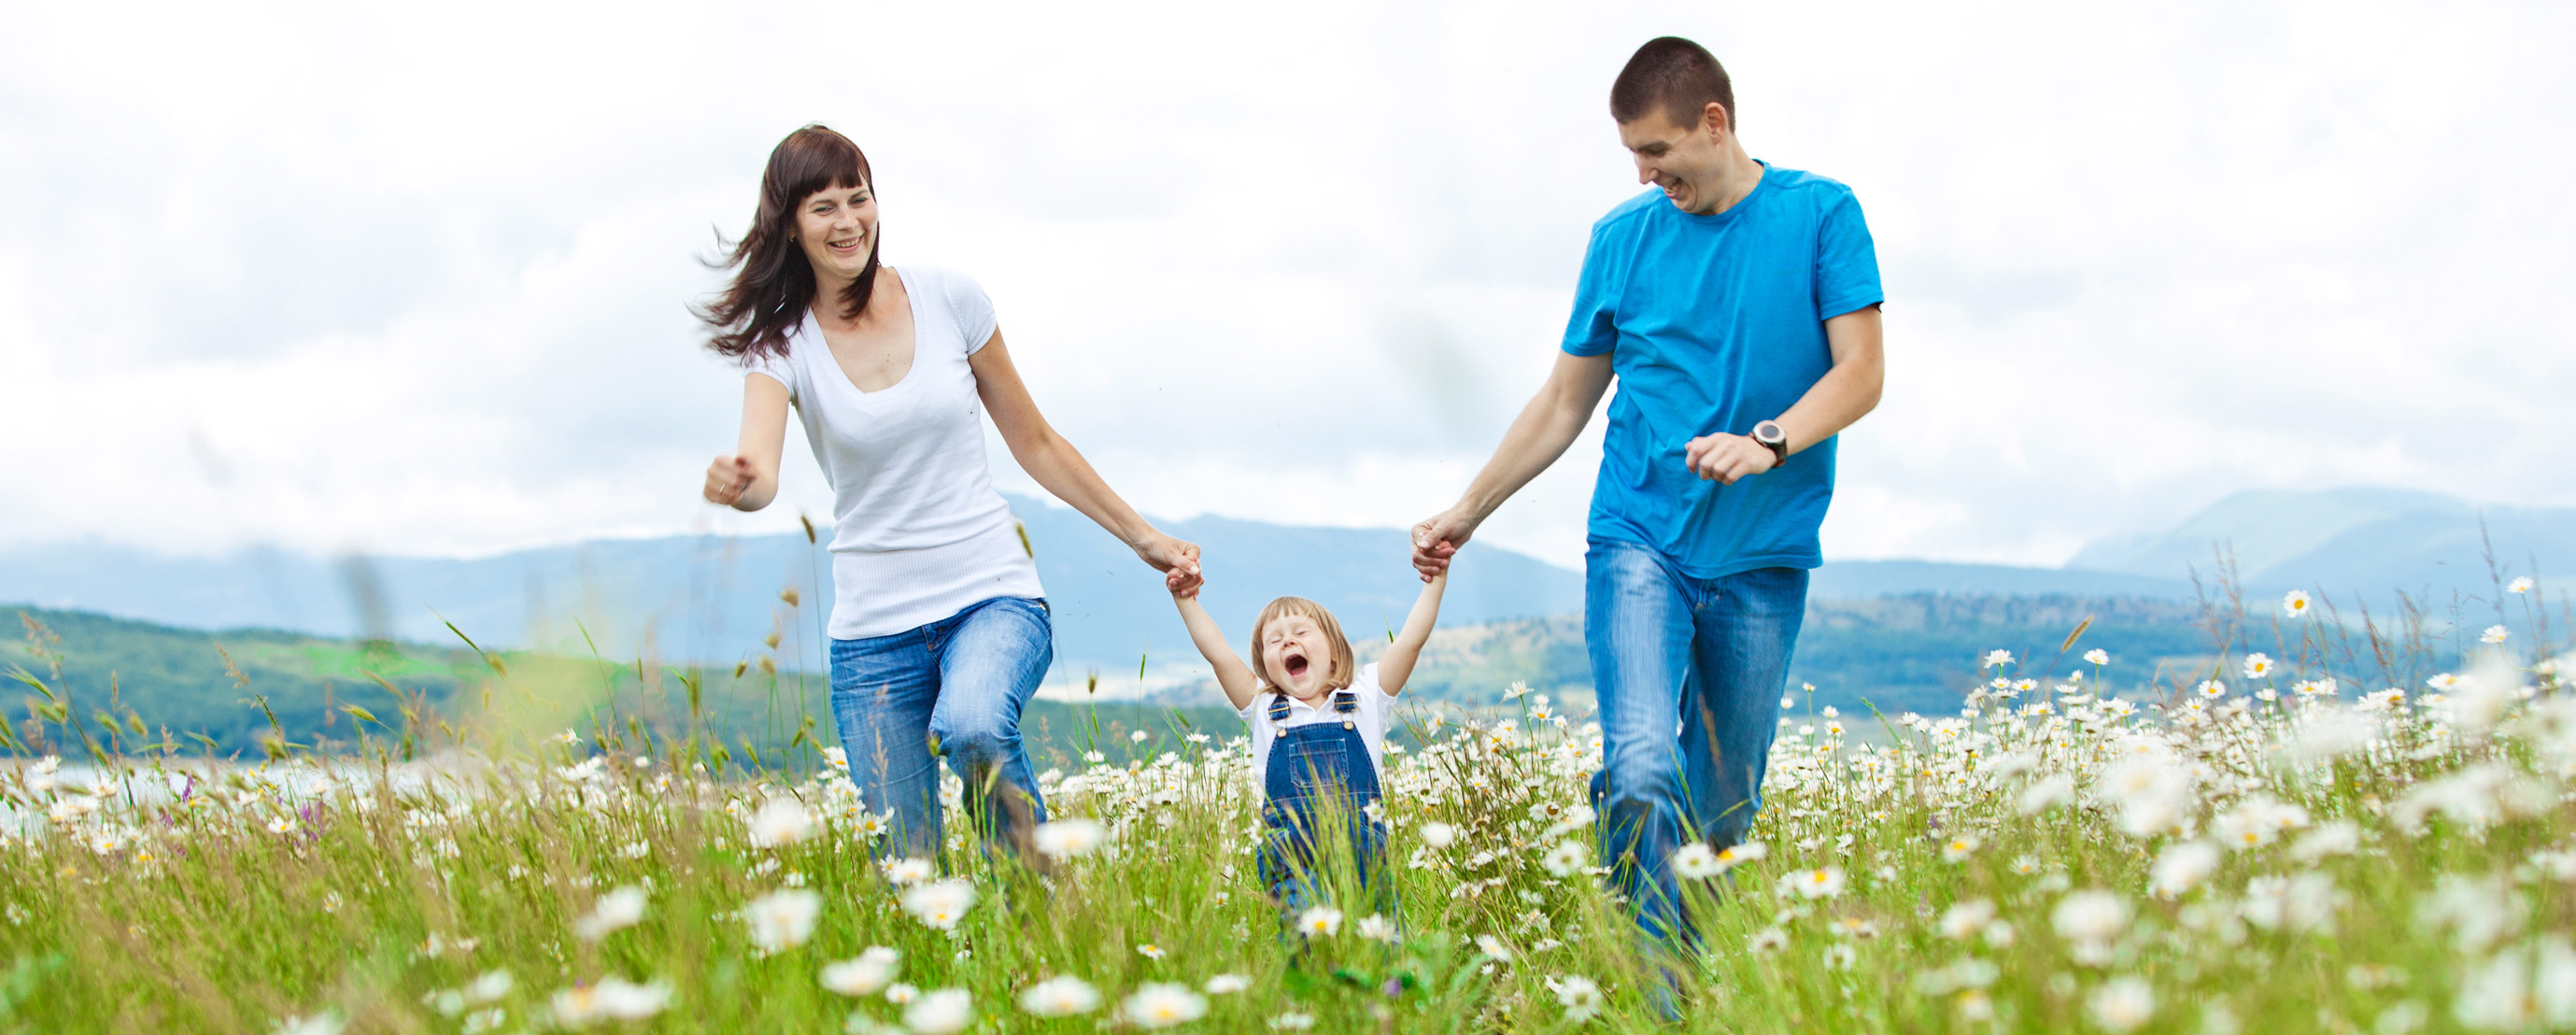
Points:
(1537, 437)
(1844, 395)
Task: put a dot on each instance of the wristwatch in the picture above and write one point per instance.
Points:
(1769, 436)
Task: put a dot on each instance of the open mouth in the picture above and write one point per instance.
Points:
(1295, 663)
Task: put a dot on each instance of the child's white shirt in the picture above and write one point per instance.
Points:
(1367, 718)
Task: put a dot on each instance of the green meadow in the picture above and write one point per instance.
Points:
(489, 843)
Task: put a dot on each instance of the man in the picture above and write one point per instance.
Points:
(1737, 305)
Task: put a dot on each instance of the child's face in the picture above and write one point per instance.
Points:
(1296, 656)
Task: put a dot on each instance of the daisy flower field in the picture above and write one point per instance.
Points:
(2196, 852)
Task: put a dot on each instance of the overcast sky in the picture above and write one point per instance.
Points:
(413, 278)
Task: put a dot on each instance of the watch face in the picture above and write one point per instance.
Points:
(1768, 432)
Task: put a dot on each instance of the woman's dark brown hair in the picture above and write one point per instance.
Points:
(773, 281)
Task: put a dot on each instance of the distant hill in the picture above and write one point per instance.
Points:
(1860, 580)
(713, 599)
(1907, 653)
(2355, 543)
(179, 682)
(1916, 652)
(1110, 609)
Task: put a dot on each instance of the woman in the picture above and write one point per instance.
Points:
(940, 631)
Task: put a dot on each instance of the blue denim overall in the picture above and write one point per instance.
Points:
(1308, 766)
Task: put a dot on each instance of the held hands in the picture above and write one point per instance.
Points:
(1437, 539)
(1725, 458)
(728, 478)
(1177, 560)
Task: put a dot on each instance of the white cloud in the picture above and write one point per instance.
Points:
(412, 280)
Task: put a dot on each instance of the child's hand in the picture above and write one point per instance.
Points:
(1183, 585)
(1177, 560)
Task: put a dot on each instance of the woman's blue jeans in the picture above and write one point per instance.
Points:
(954, 687)
(1707, 658)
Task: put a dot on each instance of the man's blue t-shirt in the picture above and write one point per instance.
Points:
(1717, 323)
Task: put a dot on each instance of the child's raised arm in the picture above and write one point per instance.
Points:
(1231, 673)
(1396, 665)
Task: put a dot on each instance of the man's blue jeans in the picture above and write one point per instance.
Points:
(1708, 657)
(954, 687)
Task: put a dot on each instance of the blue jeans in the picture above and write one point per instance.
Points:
(954, 687)
(1708, 657)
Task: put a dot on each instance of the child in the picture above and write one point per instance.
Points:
(1318, 723)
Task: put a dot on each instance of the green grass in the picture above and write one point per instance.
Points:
(261, 895)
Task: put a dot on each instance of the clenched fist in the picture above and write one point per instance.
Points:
(1726, 459)
(728, 478)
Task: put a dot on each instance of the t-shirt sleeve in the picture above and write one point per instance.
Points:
(1591, 332)
(973, 310)
(1367, 680)
(1846, 261)
(777, 368)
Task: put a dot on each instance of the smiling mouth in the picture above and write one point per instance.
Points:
(1295, 664)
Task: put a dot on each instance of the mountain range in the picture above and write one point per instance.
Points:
(714, 599)
(2354, 542)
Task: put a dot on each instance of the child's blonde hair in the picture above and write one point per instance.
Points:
(1346, 666)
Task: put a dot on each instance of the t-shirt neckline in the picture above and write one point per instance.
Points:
(1760, 186)
(912, 304)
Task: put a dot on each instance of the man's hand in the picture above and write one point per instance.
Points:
(1437, 539)
(1177, 560)
(728, 478)
(1723, 458)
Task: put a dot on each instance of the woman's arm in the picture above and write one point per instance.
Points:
(747, 479)
(1231, 673)
(1062, 470)
(1396, 665)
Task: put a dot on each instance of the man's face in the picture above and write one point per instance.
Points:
(1683, 160)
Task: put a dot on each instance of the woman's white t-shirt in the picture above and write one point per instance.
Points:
(1368, 717)
(918, 533)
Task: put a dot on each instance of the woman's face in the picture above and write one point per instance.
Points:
(837, 226)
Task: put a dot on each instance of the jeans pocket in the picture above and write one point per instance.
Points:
(1318, 768)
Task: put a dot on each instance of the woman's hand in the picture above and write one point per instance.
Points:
(1177, 560)
(748, 479)
(728, 478)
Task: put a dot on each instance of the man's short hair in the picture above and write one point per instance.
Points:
(1674, 74)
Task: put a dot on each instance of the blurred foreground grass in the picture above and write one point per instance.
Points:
(2287, 853)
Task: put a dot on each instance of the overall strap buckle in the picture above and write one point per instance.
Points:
(1346, 701)
(1278, 708)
